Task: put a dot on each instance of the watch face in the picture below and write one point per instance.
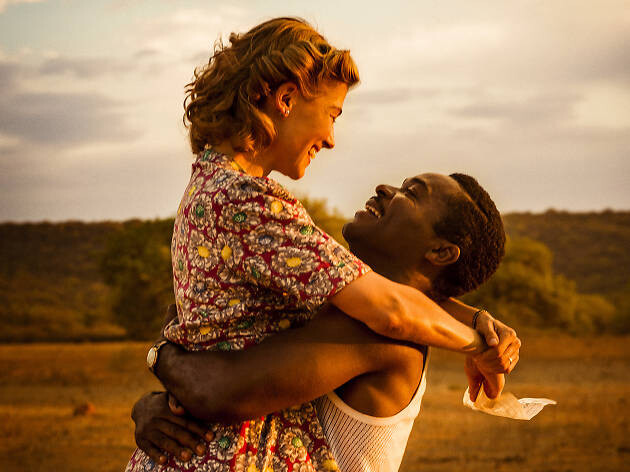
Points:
(151, 357)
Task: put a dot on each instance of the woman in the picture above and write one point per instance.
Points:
(248, 260)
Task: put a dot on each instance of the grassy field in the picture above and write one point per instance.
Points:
(41, 384)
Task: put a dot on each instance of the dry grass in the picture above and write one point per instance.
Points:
(587, 431)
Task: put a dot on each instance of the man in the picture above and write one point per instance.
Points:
(442, 235)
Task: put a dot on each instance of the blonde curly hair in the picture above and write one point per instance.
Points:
(224, 100)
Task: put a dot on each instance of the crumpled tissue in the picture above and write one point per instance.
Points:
(507, 405)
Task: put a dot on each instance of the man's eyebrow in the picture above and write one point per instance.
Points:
(416, 180)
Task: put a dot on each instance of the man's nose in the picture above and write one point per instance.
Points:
(386, 191)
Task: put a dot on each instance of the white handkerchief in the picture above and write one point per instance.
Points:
(507, 405)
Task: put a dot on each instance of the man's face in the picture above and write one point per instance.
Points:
(398, 222)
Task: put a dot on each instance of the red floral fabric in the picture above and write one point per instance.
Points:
(248, 261)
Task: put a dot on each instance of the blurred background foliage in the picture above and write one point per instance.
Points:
(78, 281)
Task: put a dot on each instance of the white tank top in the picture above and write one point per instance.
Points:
(363, 443)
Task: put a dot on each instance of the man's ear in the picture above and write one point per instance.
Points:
(443, 254)
(284, 97)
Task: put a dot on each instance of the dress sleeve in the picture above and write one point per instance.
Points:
(267, 238)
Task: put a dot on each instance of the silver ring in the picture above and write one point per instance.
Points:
(510, 359)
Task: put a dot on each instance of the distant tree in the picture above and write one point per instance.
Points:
(137, 265)
(621, 300)
(331, 221)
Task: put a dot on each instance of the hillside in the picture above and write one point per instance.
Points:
(54, 285)
(593, 249)
(51, 286)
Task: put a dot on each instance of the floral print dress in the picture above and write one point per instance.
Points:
(248, 262)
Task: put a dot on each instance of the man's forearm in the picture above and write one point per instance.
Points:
(459, 310)
(286, 369)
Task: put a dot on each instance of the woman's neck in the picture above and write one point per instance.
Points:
(250, 163)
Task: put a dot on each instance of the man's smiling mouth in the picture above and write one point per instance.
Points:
(372, 208)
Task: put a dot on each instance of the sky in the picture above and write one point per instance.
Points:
(530, 97)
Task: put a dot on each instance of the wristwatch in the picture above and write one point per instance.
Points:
(152, 355)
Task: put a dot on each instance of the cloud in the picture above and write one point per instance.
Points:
(188, 34)
(86, 67)
(5, 3)
(62, 119)
(393, 95)
(531, 111)
(146, 53)
(9, 71)
(33, 111)
(131, 181)
(610, 61)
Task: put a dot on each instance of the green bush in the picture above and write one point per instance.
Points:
(525, 292)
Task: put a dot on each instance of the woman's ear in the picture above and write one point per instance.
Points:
(284, 97)
(443, 254)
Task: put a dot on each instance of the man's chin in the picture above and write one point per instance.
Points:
(353, 234)
(344, 231)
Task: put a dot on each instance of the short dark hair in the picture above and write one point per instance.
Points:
(475, 225)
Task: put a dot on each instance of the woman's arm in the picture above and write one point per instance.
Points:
(402, 312)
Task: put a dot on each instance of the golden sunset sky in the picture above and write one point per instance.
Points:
(530, 97)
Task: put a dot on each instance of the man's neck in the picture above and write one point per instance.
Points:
(403, 275)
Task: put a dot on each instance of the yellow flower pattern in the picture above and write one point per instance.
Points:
(294, 261)
(226, 252)
(276, 207)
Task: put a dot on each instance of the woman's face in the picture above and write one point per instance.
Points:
(307, 128)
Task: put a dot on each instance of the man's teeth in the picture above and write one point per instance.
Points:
(374, 211)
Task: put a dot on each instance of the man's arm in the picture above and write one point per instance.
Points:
(286, 369)
(503, 341)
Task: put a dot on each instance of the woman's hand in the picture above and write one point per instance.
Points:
(504, 345)
(492, 383)
(159, 431)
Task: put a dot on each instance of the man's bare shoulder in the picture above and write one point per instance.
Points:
(384, 391)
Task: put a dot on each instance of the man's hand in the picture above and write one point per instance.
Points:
(171, 312)
(503, 353)
(492, 383)
(160, 432)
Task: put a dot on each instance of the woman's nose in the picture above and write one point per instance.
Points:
(329, 142)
